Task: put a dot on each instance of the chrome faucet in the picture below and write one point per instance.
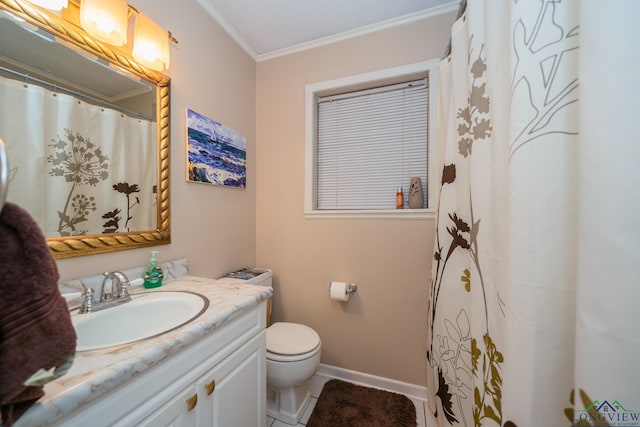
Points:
(115, 294)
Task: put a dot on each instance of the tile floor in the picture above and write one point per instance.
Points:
(423, 416)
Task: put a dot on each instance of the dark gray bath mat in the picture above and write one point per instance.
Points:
(342, 404)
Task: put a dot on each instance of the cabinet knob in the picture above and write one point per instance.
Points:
(191, 402)
(210, 387)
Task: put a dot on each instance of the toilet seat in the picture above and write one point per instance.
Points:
(289, 342)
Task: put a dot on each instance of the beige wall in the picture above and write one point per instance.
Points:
(214, 227)
(382, 329)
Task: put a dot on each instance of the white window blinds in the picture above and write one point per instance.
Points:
(370, 143)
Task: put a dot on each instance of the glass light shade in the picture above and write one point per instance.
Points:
(150, 44)
(106, 20)
(51, 4)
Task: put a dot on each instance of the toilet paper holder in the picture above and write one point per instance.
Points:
(351, 288)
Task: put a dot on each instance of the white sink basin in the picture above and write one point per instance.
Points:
(146, 315)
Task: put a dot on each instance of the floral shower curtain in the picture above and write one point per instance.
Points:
(70, 166)
(533, 316)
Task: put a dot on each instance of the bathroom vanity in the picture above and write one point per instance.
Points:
(210, 372)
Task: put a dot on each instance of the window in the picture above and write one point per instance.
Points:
(370, 142)
(366, 136)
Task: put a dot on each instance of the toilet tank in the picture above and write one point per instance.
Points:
(254, 276)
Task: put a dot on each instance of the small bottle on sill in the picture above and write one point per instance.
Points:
(399, 199)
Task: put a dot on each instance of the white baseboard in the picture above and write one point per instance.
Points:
(360, 378)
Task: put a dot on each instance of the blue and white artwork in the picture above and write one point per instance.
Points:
(215, 153)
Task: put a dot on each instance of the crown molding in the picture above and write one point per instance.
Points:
(451, 6)
(383, 25)
(230, 29)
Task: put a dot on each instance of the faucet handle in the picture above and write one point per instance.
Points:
(88, 301)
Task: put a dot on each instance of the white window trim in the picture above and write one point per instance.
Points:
(315, 90)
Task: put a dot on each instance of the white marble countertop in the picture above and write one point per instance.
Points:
(95, 373)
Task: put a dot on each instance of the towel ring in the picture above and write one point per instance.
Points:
(4, 174)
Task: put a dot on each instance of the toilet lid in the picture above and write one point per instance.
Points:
(291, 338)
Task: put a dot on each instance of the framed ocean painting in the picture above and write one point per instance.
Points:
(215, 154)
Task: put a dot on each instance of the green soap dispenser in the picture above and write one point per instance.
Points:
(153, 276)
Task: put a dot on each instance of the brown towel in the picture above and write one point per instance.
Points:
(35, 325)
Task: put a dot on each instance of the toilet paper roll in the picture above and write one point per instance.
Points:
(338, 291)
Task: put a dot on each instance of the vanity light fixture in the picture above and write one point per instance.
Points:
(106, 20)
(51, 4)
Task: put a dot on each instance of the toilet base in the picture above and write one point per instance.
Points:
(288, 404)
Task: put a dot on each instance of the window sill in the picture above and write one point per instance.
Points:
(372, 214)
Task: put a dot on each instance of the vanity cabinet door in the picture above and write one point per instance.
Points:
(233, 393)
(179, 411)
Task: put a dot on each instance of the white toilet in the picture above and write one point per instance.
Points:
(293, 355)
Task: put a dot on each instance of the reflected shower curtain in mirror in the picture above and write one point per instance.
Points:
(69, 166)
(533, 311)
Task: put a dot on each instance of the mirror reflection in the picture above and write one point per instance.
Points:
(86, 155)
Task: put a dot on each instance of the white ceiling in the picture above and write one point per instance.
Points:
(269, 28)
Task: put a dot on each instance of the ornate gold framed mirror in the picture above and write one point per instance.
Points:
(147, 100)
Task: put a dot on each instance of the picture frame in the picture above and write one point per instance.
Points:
(216, 154)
